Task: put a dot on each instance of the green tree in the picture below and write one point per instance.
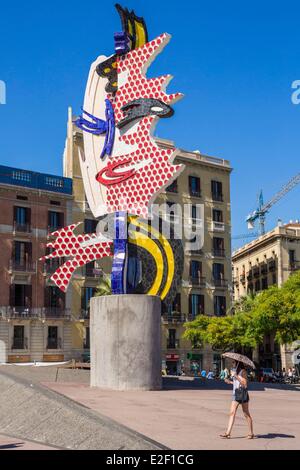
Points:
(273, 311)
(104, 287)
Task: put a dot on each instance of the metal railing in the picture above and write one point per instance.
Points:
(17, 312)
(85, 314)
(219, 282)
(54, 343)
(198, 281)
(217, 197)
(173, 344)
(55, 312)
(195, 193)
(20, 343)
(21, 228)
(218, 252)
(26, 266)
(294, 265)
(23, 312)
(174, 317)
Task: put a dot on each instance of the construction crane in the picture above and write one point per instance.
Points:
(263, 209)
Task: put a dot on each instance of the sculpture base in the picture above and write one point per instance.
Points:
(125, 334)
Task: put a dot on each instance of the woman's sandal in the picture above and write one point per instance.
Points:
(250, 436)
(225, 436)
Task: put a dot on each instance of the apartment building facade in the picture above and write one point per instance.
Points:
(35, 317)
(206, 285)
(269, 260)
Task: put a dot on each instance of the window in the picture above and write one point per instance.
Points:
(90, 269)
(292, 258)
(257, 285)
(90, 225)
(54, 298)
(172, 342)
(86, 344)
(55, 203)
(22, 198)
(219, 305)
(134, 273)
(217, 215)
(176, 305)
(22, 255)
(218, 271)
(195, 269)
(173, 187)
(218, 246)
(264, 283)
(194, 186)
(55, 220)
(216, 190)
(22, 216)
(52, 341)
(18, 338)
(274, 278)
(21, 296)
(86, 295)
(196, 304)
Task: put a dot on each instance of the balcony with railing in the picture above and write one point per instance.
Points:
(194, 193)
(54, 343)
(55, 313)
(173, 344)
(10, 313)
(21, 228)
(91, 271)
(173, 317)
(50, 266)
(172, 188)
(217, 226)
(24, 266)
(85, 314)
(198, 251)
(218, 252)
(218, 197)
(220, 283)
(198, 281)
(20, 343)
(53, 228)
(294, 265)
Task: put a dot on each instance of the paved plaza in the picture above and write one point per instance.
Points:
(186, 414)
(183, 418)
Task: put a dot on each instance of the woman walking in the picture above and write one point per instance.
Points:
(240, 396)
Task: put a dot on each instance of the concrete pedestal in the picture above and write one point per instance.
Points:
(125, 335)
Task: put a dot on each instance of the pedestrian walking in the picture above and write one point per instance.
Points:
(240, 396)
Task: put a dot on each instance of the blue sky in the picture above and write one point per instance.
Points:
(234, 61)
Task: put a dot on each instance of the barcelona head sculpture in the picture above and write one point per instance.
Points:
(124, 169)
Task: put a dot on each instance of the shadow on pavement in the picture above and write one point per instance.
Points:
(11, 446)
(272, 435)
(191, 383)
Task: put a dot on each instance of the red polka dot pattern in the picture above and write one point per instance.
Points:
(67, 244)
(134, 194)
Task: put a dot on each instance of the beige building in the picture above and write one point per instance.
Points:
(206, 284)
(268, 260)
